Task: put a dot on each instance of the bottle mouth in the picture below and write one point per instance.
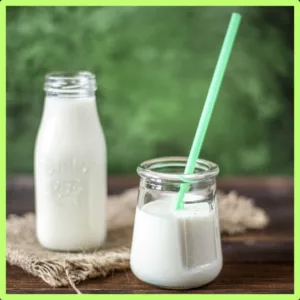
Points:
(70, 83)
(172, 169)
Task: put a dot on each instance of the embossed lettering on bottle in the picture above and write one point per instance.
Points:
(67, 180)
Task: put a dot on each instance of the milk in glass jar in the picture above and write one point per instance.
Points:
(176, 249)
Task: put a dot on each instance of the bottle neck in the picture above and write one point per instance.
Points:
(70, 85)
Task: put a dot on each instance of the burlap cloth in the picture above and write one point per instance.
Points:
(236, 213)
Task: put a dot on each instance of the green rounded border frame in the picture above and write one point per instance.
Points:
(5, 3)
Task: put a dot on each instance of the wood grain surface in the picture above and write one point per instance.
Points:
(255, 262)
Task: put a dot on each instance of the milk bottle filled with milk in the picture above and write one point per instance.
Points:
(176, 248)
(70, 166)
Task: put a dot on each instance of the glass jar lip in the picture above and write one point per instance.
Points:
(206, 169)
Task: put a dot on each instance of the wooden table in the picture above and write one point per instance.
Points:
(255, 262)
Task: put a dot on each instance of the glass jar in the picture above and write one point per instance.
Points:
(171, 248)
(70, 165)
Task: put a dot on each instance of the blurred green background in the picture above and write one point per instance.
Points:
(153, 68)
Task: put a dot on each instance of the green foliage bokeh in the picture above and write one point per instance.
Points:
(153, 68)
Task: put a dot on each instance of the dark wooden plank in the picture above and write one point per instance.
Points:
(271, 259)
(251, 278)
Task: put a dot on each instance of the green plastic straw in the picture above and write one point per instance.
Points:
(209, 103)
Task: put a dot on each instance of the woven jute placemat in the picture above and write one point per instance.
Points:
(236, 213)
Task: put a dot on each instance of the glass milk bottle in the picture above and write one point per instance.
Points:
(176, 249)
(70, 166)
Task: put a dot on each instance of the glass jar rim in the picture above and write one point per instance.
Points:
(206, 169)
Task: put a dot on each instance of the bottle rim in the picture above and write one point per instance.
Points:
(70, 83)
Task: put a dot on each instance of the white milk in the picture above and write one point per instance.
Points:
(176, 249)
(70, 175)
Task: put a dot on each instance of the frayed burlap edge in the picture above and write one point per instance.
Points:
(63, 272)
